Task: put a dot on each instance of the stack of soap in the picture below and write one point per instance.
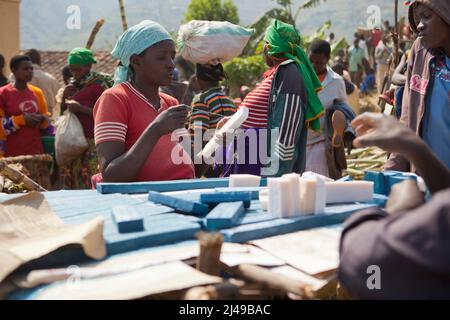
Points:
(127, 219)
(293, 196)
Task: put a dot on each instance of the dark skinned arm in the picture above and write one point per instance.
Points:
(389, 134)
(398, 78)
(120, 166)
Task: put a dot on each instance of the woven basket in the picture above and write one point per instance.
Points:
(37, 165)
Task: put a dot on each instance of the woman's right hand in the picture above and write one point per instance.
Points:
(171, 119)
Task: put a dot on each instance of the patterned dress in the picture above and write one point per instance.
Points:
(78, 175)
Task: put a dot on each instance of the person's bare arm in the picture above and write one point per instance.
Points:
(120, 166)
(389, 134)
(398, 78)
(76, 107)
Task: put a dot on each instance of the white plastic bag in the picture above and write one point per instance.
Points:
(70, 142)
(212, 42)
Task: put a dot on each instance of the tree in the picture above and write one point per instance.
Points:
(212, 10)
(244, 71)
(284, 12)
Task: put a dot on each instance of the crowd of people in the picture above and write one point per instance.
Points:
(129, 119)
(309, 96)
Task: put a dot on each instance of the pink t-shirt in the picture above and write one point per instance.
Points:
(122, 114)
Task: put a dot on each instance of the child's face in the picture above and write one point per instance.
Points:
(433, 31)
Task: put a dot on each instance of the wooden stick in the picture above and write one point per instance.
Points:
(36, 157)
(269, 279)
(18, 177)
(123, 16)
(396, 36)
(94, 32)
(208, 260)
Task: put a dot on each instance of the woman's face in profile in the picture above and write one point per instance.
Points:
(269, 60)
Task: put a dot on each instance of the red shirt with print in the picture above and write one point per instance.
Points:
(14, 103)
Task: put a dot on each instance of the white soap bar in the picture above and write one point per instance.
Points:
(264, 199)
(312, 195)
(310, 174)
(349, 191)
(244, 180)
(233, 123)
(279, 197)
(294, 189)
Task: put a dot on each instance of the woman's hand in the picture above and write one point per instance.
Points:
(171, 119)
(73, 106)
(33, 120)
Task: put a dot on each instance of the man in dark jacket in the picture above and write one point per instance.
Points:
(402, 252)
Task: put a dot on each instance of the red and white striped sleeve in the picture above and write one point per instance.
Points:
(111, 119)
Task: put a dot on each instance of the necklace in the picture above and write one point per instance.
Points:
(143, 95)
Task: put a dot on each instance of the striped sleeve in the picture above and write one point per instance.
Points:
(111, 119)
(285, 145)
(199, 116)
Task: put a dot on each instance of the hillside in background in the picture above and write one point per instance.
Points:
(43, 22)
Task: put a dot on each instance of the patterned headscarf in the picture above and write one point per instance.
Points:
(135, 41)
(81, 57)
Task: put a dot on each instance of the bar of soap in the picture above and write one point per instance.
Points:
(244, 180)
(279, 197)
(233, 123)
(294, 188)
(264, 199)
(128, 219)
(309, 174)
(312, 195)
(220, 197)
(225, 215)
(349, 191)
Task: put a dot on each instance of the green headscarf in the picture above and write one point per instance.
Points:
(81, 57)
(284, 42)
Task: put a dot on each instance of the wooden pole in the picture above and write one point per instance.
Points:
(208, 260)
(123, 16)
(94, 32)
(396, 36)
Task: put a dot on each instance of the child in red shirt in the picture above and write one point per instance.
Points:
(23, 112)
